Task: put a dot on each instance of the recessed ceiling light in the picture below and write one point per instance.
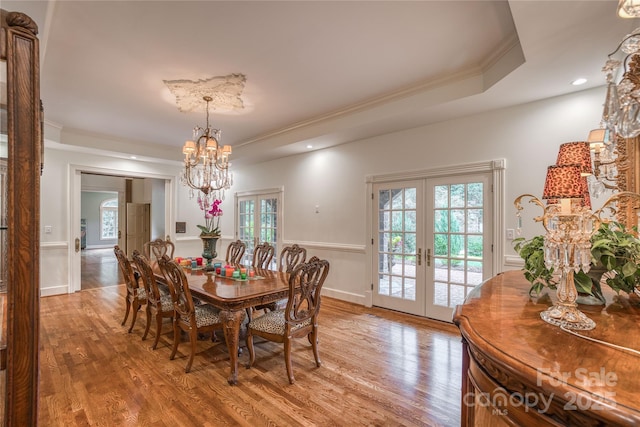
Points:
(309, 146)
(133, 157)
(578, 82)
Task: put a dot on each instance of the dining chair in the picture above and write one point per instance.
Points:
(290, 257)
(136, 296)
(235, 251)
(159, 302)
(191, 318)
(299, 318)
(155, 249)
(262, 256)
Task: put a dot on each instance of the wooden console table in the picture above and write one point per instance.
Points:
(519, 370)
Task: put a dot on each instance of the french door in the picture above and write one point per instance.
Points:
(258, 222)
(400, 239)
(433, 243)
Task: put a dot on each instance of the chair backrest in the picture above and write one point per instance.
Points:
(127, 271)
(179, 288)
(155, 249)
(147, 276)
(262, 255)
(290, 257)
(305, 284)
(235, 251)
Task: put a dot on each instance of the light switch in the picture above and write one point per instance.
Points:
(510, 234)
(48, 229)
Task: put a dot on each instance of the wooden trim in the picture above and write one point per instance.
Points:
(24, 152)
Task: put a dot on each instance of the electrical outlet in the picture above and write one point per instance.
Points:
(48, 229)
(510, 234)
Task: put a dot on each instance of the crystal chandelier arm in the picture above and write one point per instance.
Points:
(627, 37)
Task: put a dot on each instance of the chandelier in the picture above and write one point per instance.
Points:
(629, 8)
(621, 110)
(206, 162)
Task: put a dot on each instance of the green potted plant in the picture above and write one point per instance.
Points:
(615, 253)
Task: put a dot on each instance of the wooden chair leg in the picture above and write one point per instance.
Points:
(313, 337)
(193, 338)
(252, 355)
(126, 313)
(148, 315)
(176, 339)
(135, 307)
(287, 360)
(158, 330)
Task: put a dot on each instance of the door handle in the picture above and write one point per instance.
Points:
(419, 256)
(428, 257)
(77, 244)
(119, 234)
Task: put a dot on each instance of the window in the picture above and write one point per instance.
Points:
(109, 219)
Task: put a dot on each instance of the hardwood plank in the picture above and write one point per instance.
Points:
(99, 268)
(379, 368)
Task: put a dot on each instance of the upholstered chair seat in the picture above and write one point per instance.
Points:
(274, 322)
(166, 303)
(206, 315)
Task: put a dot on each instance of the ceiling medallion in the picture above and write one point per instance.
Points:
(225, 93)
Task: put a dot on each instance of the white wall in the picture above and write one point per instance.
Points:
(90, 211)
(527, 136)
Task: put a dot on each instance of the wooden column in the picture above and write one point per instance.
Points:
(19, 46)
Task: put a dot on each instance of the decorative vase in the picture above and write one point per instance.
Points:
(209, 243)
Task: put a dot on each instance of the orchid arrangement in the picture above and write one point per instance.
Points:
(212, 214)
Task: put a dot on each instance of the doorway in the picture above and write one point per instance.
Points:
(101, 262)
(258, 221)
(433, 239)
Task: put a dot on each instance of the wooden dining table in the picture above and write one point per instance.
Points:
(233, 297)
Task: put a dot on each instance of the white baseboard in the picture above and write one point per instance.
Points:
(344, 296)
(54, 290)
(89, 247)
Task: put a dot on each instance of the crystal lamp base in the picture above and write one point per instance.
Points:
(567, 316)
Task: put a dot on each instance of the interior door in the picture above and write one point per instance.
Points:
(138, 226)
(258, 222)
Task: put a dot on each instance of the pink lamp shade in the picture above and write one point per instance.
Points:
(577, 153)
(565, 182)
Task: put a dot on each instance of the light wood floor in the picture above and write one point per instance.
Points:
(98, 268)
(380, 368)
